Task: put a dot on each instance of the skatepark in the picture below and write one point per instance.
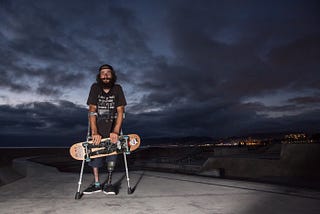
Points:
(31, 187)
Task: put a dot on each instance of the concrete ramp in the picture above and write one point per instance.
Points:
(45, 190)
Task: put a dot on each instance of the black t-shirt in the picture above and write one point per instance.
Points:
(107, 104)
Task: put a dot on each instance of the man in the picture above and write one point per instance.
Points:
(106, 108)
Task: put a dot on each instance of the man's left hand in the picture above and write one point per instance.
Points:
(114, 137)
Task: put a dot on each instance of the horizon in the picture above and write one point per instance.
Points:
(174, 140)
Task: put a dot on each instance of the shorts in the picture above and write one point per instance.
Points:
(98, 162)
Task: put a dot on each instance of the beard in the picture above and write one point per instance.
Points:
(106, 85)
(109, 84)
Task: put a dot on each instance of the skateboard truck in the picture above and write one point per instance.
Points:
(86, 149)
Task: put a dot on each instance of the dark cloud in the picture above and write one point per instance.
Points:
(301, 52)
(58, 42)
(296, 63)
(237, 66)
(227, 120)
(43, 120)
(305, 100)
(222, 57)
(221, 54)
(7, 82)
(236, 57)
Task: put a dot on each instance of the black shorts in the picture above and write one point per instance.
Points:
(98, 162)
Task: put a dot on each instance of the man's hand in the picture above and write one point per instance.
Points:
(96, 139)
(114, 137)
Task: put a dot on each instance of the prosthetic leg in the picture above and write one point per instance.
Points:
(108, 187)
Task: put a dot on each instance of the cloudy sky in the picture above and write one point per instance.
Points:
(188, 68)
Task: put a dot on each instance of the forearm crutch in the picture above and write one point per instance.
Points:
(126, 164)
(127, 173)
(78, 194)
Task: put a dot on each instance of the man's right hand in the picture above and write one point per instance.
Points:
(96, 139)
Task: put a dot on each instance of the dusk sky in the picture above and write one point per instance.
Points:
(187, 68)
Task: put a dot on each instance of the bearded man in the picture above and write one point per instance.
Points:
(106, 102)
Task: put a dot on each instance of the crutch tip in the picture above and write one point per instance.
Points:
(77, 196)
(130, 191)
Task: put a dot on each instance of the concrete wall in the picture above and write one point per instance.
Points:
(301, 159)
(297, 161)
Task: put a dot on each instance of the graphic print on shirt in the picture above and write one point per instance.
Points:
(106, 107)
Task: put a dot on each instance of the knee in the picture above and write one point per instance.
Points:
(111, 165)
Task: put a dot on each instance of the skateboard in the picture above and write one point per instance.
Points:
(87, 150)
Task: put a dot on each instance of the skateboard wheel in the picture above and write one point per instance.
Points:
(133, 142)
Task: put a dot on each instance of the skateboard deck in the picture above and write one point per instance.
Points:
(87, 150)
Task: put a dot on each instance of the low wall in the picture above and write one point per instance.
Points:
(297, 162)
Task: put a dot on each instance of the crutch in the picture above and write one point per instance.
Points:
(125, 159)
(126, 164)
(86, 159)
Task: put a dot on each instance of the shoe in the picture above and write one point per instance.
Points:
(92, 189)
(109, 189)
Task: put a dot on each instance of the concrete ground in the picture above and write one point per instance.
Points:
(46, 190)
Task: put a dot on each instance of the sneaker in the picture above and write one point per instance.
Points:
(109, 189)
(92, 189)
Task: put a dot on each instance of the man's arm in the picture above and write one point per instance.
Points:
(114, 135)
(96, 138)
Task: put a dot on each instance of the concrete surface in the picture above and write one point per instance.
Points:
(46, 190)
